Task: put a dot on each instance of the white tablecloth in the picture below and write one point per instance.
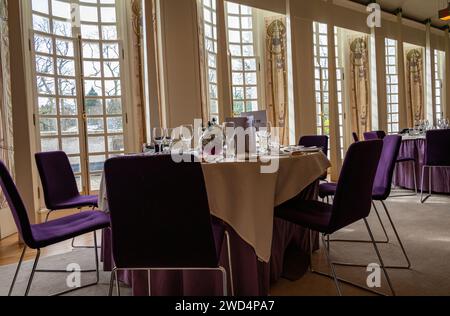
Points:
(245, 198)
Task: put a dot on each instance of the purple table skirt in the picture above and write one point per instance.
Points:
(290, 259)
(404, 174)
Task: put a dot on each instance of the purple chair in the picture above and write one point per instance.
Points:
(162, 206)
(319, 141)
(43, 235)
(381, 192)
(374, 135)
(352, 202)
(59, 185)
(355, 137)
(437, 156)
(400, 159)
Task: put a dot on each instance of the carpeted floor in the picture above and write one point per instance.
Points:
(425, 230)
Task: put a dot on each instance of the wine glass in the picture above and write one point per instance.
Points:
(169, 138)
(229, 133)
(187, 135)
(264, 133)
(158, 137)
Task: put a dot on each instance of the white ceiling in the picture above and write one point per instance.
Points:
(419, 10)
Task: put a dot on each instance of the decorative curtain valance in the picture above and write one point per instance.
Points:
(360, 87)
(276, 74)
(6, 130)
(414, 86)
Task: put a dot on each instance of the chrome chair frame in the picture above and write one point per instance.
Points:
(115, 276)
(416, 187)
(35, 270)
(333, 270)
(430, 182)
(408, 265)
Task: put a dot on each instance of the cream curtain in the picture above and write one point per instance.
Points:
(135, 39)
(414, 86)
(360, 87)
(276, 76)
(6, 131)
(203, 65)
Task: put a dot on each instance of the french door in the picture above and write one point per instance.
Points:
(77, 61)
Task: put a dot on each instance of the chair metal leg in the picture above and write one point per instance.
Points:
(224, 281)
(415, 177)
(333, 270)
(33, 271)
(111, 282)
(149, 276)
(17, 271)
(230, 264)
(50, 212)
(117, 283)
(399, 241)
(369, 241)
(379, 257)
(424, 199)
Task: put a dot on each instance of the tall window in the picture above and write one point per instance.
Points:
(439, 59)
(244, 61)
(392, 78)
(340, 90)
(77, 60)
(210, 34)
(321, 78)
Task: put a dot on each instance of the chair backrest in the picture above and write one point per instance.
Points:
(16, 205)
(385, 172)
(320, 141)
(374, 135)
(355, 137)
(438, 148)
(57, 177)
(160, 215)
(353, 197)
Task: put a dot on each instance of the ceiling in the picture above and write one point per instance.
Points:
(419, 10)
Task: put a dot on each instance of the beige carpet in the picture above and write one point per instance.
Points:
(425, 231)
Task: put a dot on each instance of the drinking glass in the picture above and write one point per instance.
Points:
(158, 137)
(168, 138)
(187, 135)
(229, 133)
(264, 134)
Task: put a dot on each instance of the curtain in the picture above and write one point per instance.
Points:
(414, 86)
(135, 16)
(203, 53)
(6, 131)
(276, 74)
(360, 88)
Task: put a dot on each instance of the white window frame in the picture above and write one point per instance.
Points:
(392, 80)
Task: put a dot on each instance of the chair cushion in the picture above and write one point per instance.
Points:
(67, 228)
(309, 214)
(327, 189)
(77, 202)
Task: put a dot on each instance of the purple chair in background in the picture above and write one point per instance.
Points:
(437, 156)
(59, 185)
(400, 159)
(160, 218)
(43, 235)
(374, 135)
(381, 192)
(352, 203)
(319, 141)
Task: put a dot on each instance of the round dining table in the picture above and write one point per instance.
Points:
(242, 195)
(415, 147)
